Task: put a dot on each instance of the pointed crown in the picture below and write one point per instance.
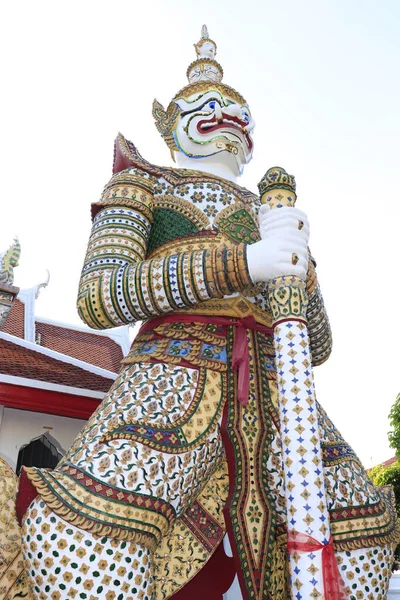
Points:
(202, 73)
(205, 67)
(204, 38)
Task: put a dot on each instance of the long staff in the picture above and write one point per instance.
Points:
(313, 568)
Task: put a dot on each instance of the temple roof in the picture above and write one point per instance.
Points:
(23, 361)
(48, 366)
(96, 348)
(14, 324)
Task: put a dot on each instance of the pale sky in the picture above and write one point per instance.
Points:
(322, 81)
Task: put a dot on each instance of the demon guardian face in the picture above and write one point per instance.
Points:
(207, 119)
(212, 123)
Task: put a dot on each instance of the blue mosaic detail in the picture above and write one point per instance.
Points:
(212, 352)
(179, 348)
(145, 348)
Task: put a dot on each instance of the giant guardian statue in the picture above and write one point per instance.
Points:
(211, 436)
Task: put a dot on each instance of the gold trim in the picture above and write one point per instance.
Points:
(287, 298)
(204, 86)
(366, 536)
(205, 61)
(183, 207)
(86, 510)
(237, 306)
(182, 176)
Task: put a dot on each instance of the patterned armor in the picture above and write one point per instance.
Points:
(150, 469)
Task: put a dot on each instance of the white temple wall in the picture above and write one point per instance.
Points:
(19, 427)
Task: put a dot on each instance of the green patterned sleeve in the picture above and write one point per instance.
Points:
(119, 285)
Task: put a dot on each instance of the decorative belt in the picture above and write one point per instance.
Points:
(240, 354)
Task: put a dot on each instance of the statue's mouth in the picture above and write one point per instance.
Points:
(226, 121)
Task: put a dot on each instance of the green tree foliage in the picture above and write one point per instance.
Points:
(390, 475)
(394, 420)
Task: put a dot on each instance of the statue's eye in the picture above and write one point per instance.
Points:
(246, 118)
(211, 104)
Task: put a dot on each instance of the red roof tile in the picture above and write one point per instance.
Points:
(90, 347)
(388, 462)
(22, 362)
(14, 324)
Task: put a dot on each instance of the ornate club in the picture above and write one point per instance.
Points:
(314, 572)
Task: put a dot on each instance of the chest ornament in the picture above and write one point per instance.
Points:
(238, 224)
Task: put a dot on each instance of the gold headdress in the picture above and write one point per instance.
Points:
(203, 73)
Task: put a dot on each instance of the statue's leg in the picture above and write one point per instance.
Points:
(156, 434)
(361, 518)
(65, 562)
(152, 445)
(366, 572)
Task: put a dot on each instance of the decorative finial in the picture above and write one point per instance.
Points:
(8, 261)
(205, 68)
(277, 188)
(8, 292)
(204, 33)
(277, 178)
(42, 285)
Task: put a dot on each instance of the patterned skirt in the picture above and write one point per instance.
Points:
(171, 460)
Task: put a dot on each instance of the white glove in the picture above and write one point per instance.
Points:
(281, 242)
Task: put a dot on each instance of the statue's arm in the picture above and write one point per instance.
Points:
(120, 285)
(319, 328)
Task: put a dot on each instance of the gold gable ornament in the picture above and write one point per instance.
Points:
(8, 292)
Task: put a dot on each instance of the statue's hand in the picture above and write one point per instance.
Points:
(271, 221)
(284, 239)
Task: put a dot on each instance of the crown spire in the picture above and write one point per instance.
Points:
(205, 67)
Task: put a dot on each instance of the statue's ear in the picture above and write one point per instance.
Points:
(160, 116)
(165, 121)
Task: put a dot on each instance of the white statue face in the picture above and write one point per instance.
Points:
(213, 124)
(207, 50)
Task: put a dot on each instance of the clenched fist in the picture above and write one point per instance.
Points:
(284, 239)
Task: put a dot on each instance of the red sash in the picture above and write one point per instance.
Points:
(333, 583)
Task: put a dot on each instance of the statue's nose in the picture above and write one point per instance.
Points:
(218, 112)
(233, 110)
